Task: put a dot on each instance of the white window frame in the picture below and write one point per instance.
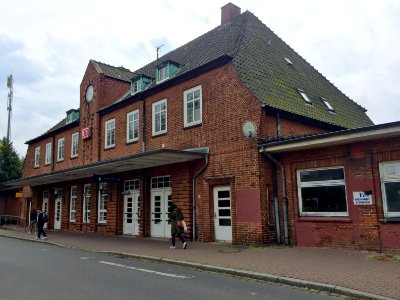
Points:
(102, 204)
(321, 183)
(389, 173)
(74, 144)
(328, 105)
(163, 74)
(60, 149)
(158, 115)
(305, 97)
(37, 157)
(109, 133)
(47, 159)
(87, 190)
(136, 87)
(72, 203)
(132, 126)
(192, 101)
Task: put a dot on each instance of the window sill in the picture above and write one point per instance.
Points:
(390, 220)
(132, 142)
(192, 126)
(325, 219)
(109, 148)
(74, 157)
(155, 135)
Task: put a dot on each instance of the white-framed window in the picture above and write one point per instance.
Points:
(132, 126)
(87, 194)
(47, 159)
(322, 192)
(390, 184)
(37, 157)
(74, 144)
(160, 182)
(192, 101)
(305, 97)
(110, 133)
(328, 105)
(135, 87)
(102, 203)
(60, 149)
(159, 117)
(131, 185)
(163, 74)
(72, 204)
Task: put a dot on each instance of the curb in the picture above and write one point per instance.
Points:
(233, 272)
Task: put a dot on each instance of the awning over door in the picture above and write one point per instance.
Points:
(138, 161)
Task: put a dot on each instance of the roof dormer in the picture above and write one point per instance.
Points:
(166, 70)
(139, 83)
(72, 115)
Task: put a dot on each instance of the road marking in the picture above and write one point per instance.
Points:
(143, 270)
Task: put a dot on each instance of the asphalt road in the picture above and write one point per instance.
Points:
(35, 270)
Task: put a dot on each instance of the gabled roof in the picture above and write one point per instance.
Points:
(119, 73)
(259, 60)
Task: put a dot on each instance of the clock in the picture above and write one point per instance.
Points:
(89, 93)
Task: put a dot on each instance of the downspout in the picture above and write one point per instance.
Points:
(276, 204)
(194, 195)
(284, 199)
(278, 125)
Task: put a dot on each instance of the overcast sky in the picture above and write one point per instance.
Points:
(47, 44)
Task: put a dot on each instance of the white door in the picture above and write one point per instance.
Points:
(57, 213)
(131, 213)
(45, 205)
(222, 214)
(160, 201)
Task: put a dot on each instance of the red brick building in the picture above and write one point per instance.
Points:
(188, 128)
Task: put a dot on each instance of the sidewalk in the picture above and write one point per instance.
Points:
(364, 275)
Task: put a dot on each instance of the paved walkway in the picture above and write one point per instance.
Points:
(363, 275)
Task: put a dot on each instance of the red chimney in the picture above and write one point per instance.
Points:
(228, 12)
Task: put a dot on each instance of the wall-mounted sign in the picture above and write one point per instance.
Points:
(86, 133)
(18, 195)
(362, 198)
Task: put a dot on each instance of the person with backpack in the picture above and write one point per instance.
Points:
(42, 218)
(33, 221)
(176, 219)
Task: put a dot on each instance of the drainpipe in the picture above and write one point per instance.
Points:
(194, 194)
(276, 204)
(143, 125)
(278, 125)
(284, 199)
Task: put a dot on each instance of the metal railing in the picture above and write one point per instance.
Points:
(9, 220)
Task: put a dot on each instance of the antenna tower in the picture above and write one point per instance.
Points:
(9, 105)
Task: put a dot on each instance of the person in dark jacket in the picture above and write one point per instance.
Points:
(41, 220)
(175, 215)
(33, 220)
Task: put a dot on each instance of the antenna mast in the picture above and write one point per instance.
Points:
(9, 105)
(158, 48)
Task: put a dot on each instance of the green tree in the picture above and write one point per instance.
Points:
(10, 163)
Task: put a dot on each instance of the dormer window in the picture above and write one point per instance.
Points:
(328, 105)
(139, 83)
(304, 96)
(72, 115)
(166, 70)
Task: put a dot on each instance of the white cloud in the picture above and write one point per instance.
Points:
(47, 44)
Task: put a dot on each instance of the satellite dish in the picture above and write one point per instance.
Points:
(249, 129)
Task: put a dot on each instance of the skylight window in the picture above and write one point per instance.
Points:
(289, 62)
(305, 97)
(328, 105)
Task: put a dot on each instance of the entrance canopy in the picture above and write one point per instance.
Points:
(138, 161)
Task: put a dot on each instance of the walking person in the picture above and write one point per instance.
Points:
(33, 221)
(41, 220)
(176, 216)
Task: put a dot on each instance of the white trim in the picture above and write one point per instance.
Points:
(110, 122)
(135, 123)
(394, 177)
(102, 212)
(72, 203)
(159, 113)
(60, 149)
(47, 159)
(322, 183)
(166, 68)
(37, 157)
(75, 136)
(86, 199)
(185, 106)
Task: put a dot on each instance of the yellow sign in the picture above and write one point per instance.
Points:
(18, 195)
